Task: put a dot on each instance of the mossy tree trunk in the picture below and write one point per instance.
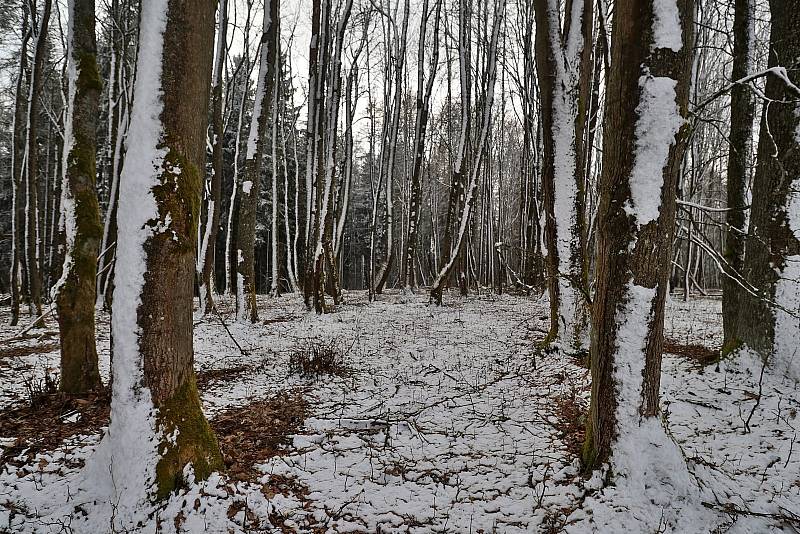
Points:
(634, 247)
(76, 292)
(249, 189)
(563, 117)
(159, 209)
(773, 241)
(742, 113)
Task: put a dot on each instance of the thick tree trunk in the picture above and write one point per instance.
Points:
(771, 325)
(249, 190)
(81, 213)
(645, 137)
(563, 122)
(742, 113)
(157, 425)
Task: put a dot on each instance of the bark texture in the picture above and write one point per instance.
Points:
(632, 258)
(77, 291)
(742, 113)
(250, 187)
(165, 313)
(773, 240)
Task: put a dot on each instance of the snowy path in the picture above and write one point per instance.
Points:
(444, 419)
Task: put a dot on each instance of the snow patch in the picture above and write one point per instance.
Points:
(658, 122)
(667, 25)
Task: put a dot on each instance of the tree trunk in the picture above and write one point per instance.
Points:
(424, 91)
(31, 204)
(399, 60)
(249, 190)
(157, 425)
(742, 113)
(453, 249)
(563, 122)
(18, 172)
(771, 325)
(645, 138)
(81, 214)
(208, 244)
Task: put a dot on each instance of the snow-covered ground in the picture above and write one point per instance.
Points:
(442, 419)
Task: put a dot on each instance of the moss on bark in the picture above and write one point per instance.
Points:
(194, 443)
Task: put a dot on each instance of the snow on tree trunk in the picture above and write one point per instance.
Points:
(321, 256)
(453, 249)
(250, 188)
(206, 256)
(275, 281)
(75, 291)
(771, 325)
(18, 145)
(32, 223)
(424, 91)
(645, 138)
(157, 425)
(562, 184)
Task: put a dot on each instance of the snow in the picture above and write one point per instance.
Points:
(786, 352)
(658, 122)
(67, 201)
(122, 470)
(666, 25)
(446, 421)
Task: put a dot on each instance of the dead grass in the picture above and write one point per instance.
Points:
(27, 350)
(52, 419)
(317, 359)
(571, 424)
(211, 377)
(699, 355)
(249, 435)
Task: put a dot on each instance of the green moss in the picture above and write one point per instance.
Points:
(89, 75)
(195, 442)
(729, 347)
(179, 195)
(589, 453)
(550, 338)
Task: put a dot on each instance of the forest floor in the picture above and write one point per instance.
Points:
(398, 416)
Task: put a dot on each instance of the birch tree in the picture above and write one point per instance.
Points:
(423, 103)
(645, 135)
(157, 425)
(250, 187)
(454, 244)
(81, 215)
